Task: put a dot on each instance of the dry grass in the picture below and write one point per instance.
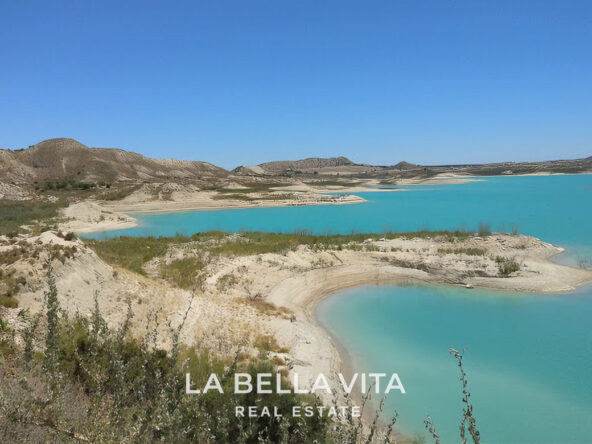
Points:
(467, 251)
(268, 343)
(267, 307)
(184, 273)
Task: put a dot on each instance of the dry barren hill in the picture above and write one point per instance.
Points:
(312, 165)
(68, 159)
(341, 166)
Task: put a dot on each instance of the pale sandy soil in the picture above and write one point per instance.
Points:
(10, 191)
(440, 179)
(544, 173)
(87, 216)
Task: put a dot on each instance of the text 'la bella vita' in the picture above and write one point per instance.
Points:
(243, 383)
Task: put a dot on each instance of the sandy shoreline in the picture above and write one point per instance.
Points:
(321, 352)
(95, 216)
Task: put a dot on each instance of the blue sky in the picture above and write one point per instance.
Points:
(242, 82)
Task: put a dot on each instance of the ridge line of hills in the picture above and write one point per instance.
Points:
(67, 159)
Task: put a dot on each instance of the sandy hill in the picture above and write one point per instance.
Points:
(405, 166)
(68, 159)
(312, 163)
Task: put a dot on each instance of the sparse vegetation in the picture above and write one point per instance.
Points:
(120, 193)
(23, 250)
(268, 343)
(227, 281)
(267, 307)
(507, 266)
(133, 252)
(75, 379)
(66, 185)
(247, 198)
(184, 273)
(467, 251)
(69, 236)
(331, 183)
(9, 287)
(15, 214)
(72, 379)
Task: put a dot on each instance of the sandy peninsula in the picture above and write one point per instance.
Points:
(96, 215)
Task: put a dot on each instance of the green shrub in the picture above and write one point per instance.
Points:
(506, 266)
(8, 301)
(184, 273)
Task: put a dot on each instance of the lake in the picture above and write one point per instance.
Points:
(528, 357)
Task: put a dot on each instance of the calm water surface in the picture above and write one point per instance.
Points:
(529, 357)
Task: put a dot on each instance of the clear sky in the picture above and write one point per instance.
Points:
(242, 82)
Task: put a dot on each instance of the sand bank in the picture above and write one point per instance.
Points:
(91, 216)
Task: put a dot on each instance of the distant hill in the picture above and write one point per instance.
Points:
(68, 159)
(405, 166)
(332, 166)
(312, 163)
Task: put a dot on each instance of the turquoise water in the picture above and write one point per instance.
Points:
(555, 208)
(529, 357)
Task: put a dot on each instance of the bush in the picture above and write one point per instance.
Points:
(8, 301)
(120, 194)
(184, 273)
(268, 343)
(507, 266)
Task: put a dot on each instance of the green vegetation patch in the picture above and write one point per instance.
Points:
(133, 252)
(184, 273)
(15, 214)
(507, 266)
(8, 301)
